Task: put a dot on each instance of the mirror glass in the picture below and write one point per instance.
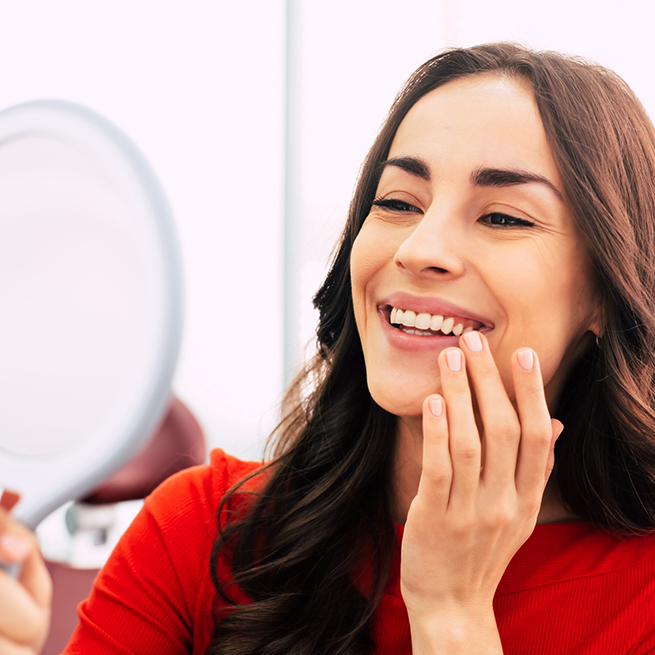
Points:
(90, 285)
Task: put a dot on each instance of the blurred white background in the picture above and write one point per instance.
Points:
(199, 85)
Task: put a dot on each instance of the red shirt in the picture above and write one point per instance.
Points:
(569, 589)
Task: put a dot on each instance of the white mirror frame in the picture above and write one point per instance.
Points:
(60, 162)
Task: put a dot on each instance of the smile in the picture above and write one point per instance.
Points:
(430, 325)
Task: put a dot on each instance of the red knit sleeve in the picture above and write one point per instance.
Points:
(155, 594)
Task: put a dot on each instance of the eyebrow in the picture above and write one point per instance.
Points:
(413, 165)
(504, 177)
(491, 177)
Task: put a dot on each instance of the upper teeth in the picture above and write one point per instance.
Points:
(425, 321)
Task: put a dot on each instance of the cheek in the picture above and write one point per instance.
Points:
(549, 307)
(359, 274)
(370, 252)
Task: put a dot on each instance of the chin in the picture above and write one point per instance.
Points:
(399, 399)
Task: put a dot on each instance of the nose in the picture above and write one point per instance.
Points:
(434, 249)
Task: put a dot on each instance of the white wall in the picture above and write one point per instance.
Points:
(198, 84)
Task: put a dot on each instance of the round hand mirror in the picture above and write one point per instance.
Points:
(90, 286)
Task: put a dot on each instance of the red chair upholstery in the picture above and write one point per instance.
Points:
(178, 444)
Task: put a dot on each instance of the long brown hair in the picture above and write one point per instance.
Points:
(321, 515)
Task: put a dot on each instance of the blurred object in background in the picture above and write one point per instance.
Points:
(178, 444)
(77, 539)
(91, 288)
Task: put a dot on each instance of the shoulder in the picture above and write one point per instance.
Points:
(156, 588)
(573, 551)
(182, 512)
(194, 495)
(578, 587)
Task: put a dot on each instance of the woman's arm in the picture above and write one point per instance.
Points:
(25, 602)
(478, 497)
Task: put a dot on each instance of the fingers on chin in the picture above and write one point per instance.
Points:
(436, 465)
(435, 429)
(528, 383)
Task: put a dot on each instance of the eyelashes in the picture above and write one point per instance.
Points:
(498, 219)
(396, 205)
(492, 219)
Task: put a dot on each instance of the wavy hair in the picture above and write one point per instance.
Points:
(313, 551)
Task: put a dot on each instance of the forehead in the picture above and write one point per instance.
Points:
(484, 120)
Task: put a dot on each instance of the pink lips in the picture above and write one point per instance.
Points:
(400, 339)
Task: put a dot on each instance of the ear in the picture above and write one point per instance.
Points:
(597, 322)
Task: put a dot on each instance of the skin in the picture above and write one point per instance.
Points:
(470, 480)
(24, 602)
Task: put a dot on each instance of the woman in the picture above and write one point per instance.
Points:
(496, 270)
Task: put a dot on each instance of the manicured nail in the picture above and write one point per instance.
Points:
(454, 360)
(473, 341)
(436, 406)
(526, 359)
(14, 546)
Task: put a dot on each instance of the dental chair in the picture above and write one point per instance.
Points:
(177, 444)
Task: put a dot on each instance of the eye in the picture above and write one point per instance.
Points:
(395, 205)
(496, 219)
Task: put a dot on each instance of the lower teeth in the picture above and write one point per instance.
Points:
(421, 333)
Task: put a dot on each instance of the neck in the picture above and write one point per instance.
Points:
(407, 473)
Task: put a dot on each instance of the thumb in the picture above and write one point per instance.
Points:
(557, 428)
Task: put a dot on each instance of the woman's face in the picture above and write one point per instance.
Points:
(470, 224)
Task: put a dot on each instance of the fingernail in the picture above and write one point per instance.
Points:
(473, 341)
(16, 547)
(436, 406)
(454, 360)
(526, 359)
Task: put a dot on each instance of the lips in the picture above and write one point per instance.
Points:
(434, 307)
(403, 333)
